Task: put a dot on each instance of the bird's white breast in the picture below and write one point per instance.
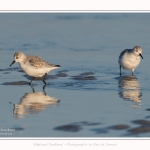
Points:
(32, 71)
(129, 61)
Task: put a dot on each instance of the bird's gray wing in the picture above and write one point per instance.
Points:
(38, 62)
(124, 51)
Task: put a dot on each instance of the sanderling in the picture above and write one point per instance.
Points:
(33, 66)
(129, 59)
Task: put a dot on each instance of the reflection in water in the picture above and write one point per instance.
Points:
(33, 102)
(130, 88)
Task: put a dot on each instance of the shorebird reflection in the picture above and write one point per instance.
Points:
(130, 88)
(34, 102)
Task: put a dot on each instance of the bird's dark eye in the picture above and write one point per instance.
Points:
(17, 57)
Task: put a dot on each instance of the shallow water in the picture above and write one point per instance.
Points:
(86, 97)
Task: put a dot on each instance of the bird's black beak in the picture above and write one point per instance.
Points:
(12, 63)
(141, 56)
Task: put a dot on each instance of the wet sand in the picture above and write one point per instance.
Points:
(86, 97)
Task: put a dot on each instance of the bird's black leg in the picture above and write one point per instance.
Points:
(31, 80)
(33, 89)
(44, 89)
(132, 73)
(120, 71)
(44, 79)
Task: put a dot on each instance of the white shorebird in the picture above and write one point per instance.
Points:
(129, 59)
(33, 66)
